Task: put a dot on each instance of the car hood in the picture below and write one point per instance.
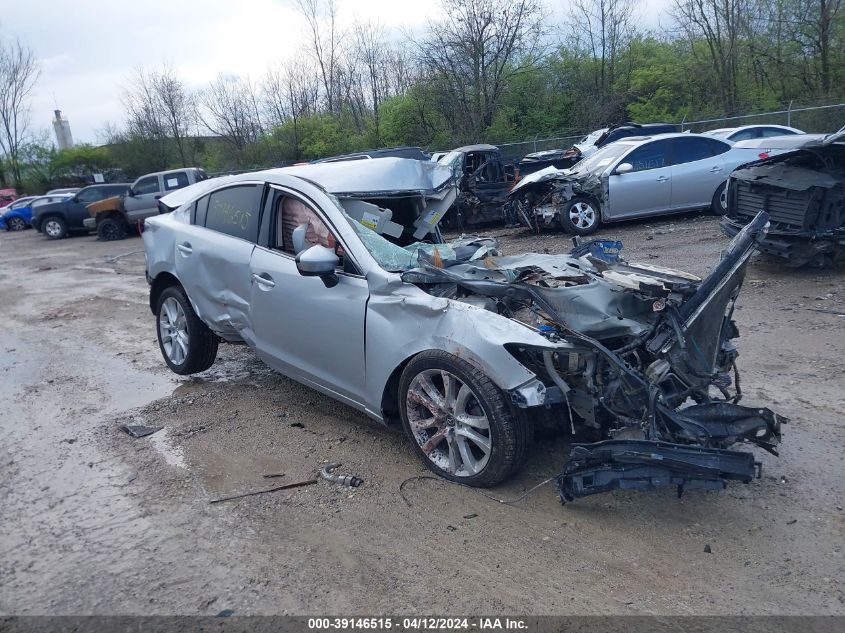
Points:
(549, 173)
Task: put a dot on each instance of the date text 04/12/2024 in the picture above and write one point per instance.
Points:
(417, 623)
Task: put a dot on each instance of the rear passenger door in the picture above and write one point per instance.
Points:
(144, 201)
(697, 171)
(212, 257)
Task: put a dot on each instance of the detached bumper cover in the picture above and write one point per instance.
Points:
(647, 465)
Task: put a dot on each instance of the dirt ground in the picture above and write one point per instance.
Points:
(95, 522)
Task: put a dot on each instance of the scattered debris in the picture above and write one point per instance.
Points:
(298, 425)
(707, 549)
(273, 475)
(792, 522)
(139, 430)
(470, 516)
(112, 260)
(297, 484)
(225, 613)
(327, 473)
(451, 528)
(69, 440)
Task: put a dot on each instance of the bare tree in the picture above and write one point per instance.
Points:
(176, 107)
(478, 47)
(289, 92)
(230, 111)
(721, 24)
(18, 74)
(326, 39)
(604, 29)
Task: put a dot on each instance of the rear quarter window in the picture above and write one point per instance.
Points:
(235, 211)
(176, 180)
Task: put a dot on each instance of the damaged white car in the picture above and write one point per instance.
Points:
(337, 275)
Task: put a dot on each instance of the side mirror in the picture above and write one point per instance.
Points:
(318, 261)
(130, 192)
(624, 168)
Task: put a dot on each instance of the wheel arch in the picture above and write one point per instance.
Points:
(162, 282)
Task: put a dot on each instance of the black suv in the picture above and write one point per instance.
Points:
(57, 219)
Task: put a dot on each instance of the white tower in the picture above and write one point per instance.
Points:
(62, 128)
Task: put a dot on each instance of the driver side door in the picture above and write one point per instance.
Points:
(144, 201)
(645, 190)
(304, 329)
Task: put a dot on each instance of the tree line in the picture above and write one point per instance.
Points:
(483, 70)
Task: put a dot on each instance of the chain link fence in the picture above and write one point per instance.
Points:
(810, 119)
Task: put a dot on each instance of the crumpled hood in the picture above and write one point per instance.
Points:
(544, 175)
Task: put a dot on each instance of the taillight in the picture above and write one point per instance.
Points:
(763, 155)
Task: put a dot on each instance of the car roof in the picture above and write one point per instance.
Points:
(787, 141)
(368, 178)
(480, 147)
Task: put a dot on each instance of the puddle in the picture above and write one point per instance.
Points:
(172, 454)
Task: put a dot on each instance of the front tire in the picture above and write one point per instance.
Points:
(460, 424)
(16, 224)
(111, 229)
(580, 216)
(186, 343)
(54, 227)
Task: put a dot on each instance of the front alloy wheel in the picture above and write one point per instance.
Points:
(580, 216)
(460, 423)
(54, 227)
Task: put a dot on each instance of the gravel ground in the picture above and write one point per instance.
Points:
(95, 522)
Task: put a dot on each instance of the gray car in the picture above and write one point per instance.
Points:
(338, 277)
(635, 177)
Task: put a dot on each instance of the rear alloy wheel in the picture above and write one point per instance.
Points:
(54, 227)
(580, 216)
(460, 423)
(719, 205)
(16, 223)
(186, 343)
(111, 229)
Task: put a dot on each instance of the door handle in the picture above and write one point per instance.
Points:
(662, 178)
(185, 248)
(264, 280)
(715, 170)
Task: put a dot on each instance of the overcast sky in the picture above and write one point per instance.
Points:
(89, 48)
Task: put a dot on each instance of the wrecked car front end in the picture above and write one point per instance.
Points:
(639, 357)
(538, 200)
(803, 191)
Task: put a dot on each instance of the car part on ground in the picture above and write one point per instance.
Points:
(803, 192)
(350, 481)
(634, 177)
(469, 350)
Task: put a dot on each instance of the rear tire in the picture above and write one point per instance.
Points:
(580, 216)
(111, 229)
(461, 425)
(719, 204)
(54, 227)
(186, 343)
(16, 223)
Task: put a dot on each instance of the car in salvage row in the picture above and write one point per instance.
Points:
(634, 177)
(337, 276)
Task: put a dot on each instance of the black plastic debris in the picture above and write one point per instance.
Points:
(139, 430)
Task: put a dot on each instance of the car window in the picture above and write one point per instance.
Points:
(774, 131)
(291, 213)
(235, 211)
(649, 156)
(87, 196)
(717, 147)
(690, 149)
(744, 135)
(175, 180)
(149, 184)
